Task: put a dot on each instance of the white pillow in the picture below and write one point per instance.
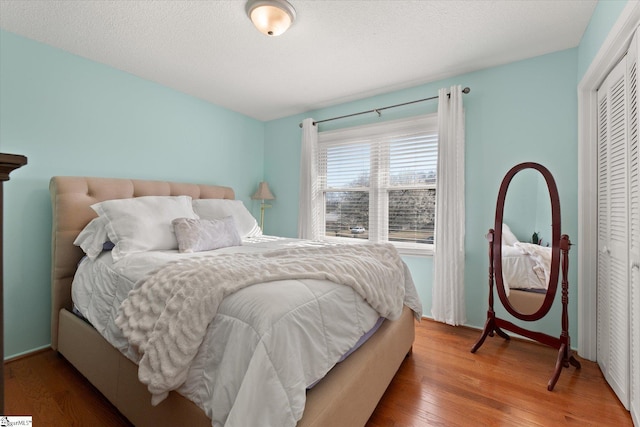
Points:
(508, 238)
(195, 235)
(143, 223)
(221, 208)
(93, 237)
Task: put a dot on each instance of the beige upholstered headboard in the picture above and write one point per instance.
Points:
(71, 199)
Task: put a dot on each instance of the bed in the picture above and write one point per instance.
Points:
(525, 271)
(346, 396)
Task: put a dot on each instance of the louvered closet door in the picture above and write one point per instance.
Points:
(613, 241)
(634, 231)
(603, 322)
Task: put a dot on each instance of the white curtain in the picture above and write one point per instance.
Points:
(448, 302)
(307, 205)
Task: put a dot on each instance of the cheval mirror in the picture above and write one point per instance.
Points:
(526, 270)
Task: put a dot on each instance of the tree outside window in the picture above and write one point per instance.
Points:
(382, 187)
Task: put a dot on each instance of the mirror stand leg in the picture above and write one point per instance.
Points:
(565, 354)
(489, 328)
(501, 333)
(490, 325)
(559, 363)
(574, 362)
(565, 358)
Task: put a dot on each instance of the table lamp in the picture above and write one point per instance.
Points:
(263, 193)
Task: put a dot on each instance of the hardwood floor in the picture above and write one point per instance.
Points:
(502, 384)
(440, 384)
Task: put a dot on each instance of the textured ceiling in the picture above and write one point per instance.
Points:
(336, 51)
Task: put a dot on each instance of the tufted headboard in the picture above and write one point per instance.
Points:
(71, 199)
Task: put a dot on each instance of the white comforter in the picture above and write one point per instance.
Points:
(525, 266)
(266, 344)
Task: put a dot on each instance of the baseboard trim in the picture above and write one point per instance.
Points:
(26, 354)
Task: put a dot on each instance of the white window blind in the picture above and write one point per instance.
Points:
(378, 182)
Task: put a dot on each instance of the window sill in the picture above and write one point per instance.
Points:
(420, 252)
(403, 248)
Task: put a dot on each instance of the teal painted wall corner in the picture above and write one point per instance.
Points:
(72, 116)
(603, 19)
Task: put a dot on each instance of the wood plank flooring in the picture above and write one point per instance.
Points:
(502, 384)
(440, 384)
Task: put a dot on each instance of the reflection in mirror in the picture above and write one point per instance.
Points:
(526, 241)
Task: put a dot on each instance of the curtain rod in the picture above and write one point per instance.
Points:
(377, 110)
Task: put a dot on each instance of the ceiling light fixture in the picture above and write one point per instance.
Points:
(271, 17)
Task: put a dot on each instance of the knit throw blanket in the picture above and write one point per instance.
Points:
(166, 316)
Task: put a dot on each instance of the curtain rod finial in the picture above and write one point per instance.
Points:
(314, 123)
(466, 90)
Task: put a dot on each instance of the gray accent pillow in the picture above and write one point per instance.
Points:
(196, 235)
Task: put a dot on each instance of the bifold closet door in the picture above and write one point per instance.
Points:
(613, 232)
(634, 231)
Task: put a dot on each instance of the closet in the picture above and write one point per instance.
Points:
(618, 265)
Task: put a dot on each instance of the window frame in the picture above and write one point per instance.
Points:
(379, 183)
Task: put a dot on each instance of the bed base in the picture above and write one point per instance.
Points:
(346, 396)
(525, 302)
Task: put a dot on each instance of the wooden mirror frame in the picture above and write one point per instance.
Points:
(552, 286)
(559, 259)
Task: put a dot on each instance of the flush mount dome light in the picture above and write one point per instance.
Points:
(271, 17)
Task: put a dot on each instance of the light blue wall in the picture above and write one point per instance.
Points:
(520, 204)
(524, 111)
(527, 206)
(543, 213)
(604, 17)
(71, 116)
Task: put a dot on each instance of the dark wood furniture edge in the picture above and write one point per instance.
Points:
(8, 163)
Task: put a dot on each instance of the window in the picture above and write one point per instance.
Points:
(378, 182)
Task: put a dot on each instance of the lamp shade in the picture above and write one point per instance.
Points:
(263, 192)
(271, 17)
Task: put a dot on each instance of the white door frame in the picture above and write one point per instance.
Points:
(613, 48)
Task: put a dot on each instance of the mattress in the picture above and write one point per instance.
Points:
(316, 321)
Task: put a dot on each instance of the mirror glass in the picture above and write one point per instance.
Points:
(526, 241)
